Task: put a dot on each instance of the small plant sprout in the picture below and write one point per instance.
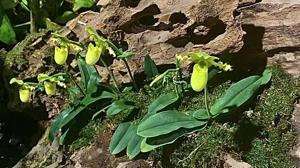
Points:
(48, 83)
(62, 46)
(25, 89)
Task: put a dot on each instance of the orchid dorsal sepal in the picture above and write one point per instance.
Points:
(203, 58)
(25, 89)
(94, 36)
(26, 85)
(62, 41)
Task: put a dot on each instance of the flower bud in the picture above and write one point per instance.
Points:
(199, 77)
(93, 54)
(24, 95)
(50, 88)
(61, 55)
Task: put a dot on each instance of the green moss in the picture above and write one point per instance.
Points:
(273, 113)
(15, 56)
(261, 136)
(87, 135)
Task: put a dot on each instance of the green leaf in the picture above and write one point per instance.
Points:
(7, 33)
(56, 124)
(89, 76)
(150, 67)
(69, 115)
(134, 144)
(8, 4)
(201, 114)
(117, 107)
(149, 144)
(162, 102)
(166, 122)
(126, 54)
(121, 137)
(65, 17)
(240, 92)
(83, 4)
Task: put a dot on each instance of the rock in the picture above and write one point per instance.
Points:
(103, 3)
(280, 22)
(247, 2)
(288, 61)
(163, 28)
(232, 163)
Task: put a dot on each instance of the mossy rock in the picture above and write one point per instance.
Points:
(15, 57)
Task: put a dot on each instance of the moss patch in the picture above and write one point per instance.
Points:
(259, 134)
(15, 56)
(261, 137)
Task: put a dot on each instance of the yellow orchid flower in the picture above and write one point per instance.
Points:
(202, 62)
(199, 77)
(24, 95)
(93, 54)
(61, 55)
(50, 82)
(50, 88)
(25, 89)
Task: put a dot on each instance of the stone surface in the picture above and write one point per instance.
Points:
(280, 21)
(163, 28)
(288, 61)
(230, 162)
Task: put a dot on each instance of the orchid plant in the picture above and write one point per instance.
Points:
(45, 82)
(25, 89)
(162, 126)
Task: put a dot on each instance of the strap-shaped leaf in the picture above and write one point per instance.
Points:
(117, 107)
(134, 144)
(200, 114)
(240, 92)
(121, 137)
(150, 67)
(166, 122)
(162, 102)
(89, 76)
(56, 124)
(149, 144)
(68, 115)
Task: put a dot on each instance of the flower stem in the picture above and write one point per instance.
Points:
(34, 5)
(118, 52)
(130, 74)
(179, 76)
(205, 101)
(110, 74)
(74, 81)
(77, 85)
